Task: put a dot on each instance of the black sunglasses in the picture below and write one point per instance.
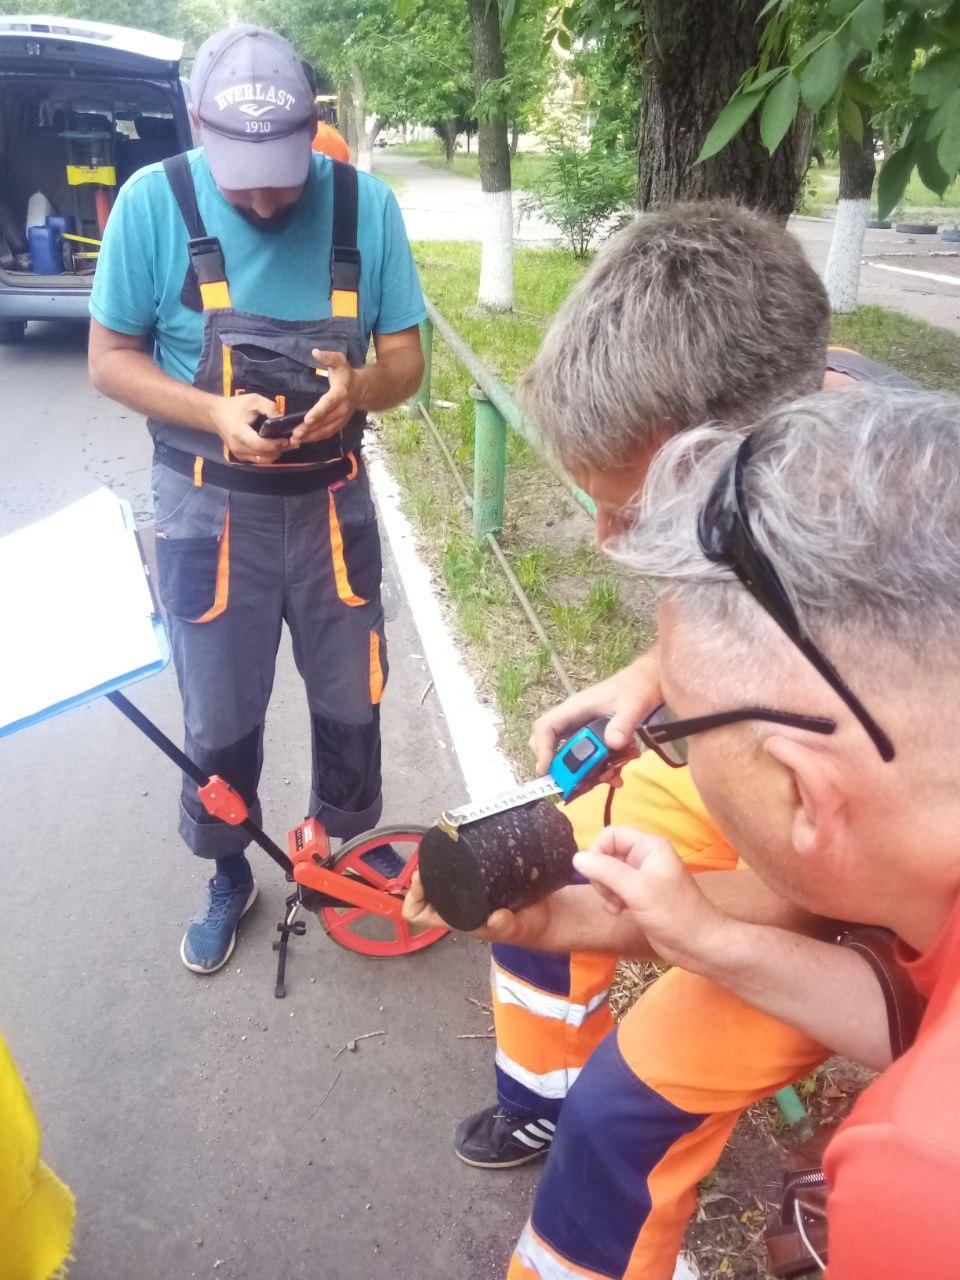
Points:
(726, 538)
(667, 736)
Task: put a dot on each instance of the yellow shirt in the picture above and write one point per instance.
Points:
(36, 1209)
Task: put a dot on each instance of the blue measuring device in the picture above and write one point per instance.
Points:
(578, 765)
(580, 759)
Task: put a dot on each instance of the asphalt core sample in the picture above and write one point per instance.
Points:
(508, 859)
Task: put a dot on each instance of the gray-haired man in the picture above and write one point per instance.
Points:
(849, 510)
(696, 312)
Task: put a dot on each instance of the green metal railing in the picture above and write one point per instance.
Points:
(494, 411)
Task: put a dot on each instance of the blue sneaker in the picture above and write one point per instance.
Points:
(385, 860)
(209, 941)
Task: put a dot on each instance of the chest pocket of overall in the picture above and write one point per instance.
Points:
(276, 364)
(193, 546)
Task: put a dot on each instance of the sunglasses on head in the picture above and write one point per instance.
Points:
(726, 538)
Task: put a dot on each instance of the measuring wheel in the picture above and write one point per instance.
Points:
(361, 930)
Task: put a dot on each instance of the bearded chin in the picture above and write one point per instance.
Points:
(276, 222)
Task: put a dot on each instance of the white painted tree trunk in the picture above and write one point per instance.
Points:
(364, 159)
(496, 254)
(842, 277)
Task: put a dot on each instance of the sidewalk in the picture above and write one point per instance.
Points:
(443, 206)
(207, 1129)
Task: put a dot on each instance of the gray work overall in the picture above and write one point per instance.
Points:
(242, 548)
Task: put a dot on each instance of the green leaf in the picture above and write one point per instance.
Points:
(851, 121)
(771, 4)
(866, 25)
(729, 123)
(894, 177)
(862, 91)
(936, 79)
(808, 47)
(944, 114)
(842, 7)
(822, 75)
(905, 45)
(779, 111)
(929, 168)
(947, 27)
(948, 146)
(766, 79)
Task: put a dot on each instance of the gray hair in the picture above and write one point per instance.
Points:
(693, 312)
(854, 496)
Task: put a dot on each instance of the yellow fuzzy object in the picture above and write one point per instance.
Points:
(36, 1209)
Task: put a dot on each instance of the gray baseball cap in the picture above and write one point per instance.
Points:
(252, 93)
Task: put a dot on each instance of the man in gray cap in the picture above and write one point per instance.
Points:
(238, 283)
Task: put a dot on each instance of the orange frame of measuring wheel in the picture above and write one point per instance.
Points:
(347, 889)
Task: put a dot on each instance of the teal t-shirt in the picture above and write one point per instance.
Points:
(284, 274)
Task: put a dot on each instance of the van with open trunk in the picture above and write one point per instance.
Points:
(83, 105)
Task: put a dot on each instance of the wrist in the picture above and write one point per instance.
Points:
(207, 415)
(724, 951)
(359, 395)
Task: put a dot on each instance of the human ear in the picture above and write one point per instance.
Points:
(818, 803)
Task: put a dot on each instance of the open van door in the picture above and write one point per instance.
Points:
(83, 105)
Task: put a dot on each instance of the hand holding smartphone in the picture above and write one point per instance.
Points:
(279, 428)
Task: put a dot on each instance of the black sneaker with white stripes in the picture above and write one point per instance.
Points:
(499, 1139)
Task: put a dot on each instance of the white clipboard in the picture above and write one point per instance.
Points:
(77, 614)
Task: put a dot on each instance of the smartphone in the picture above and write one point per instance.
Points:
(280, 428)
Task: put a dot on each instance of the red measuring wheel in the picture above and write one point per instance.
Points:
(361, 930)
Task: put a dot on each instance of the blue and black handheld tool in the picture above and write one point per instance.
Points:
(578, 765)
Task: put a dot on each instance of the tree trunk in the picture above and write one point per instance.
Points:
(468, 142)
(858, 168)
(345, 118)
(695, 52)
(514, 138)
(374, 132)
(363, 156)
(448, 136)
(496, 257)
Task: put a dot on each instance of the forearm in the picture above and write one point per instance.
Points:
(826, 991)
(829, 993)
(578, 921)
(134, 379)
(389, 381)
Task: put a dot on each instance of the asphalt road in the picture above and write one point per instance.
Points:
(916, 274)
(207, 1129)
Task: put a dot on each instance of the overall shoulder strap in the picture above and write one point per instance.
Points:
(177, 169)
(345, 256)
(205, 284)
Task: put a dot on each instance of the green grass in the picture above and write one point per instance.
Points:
(919, 203)
(526, 167)
(596, 616)
(923, 351)
(584, 606)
